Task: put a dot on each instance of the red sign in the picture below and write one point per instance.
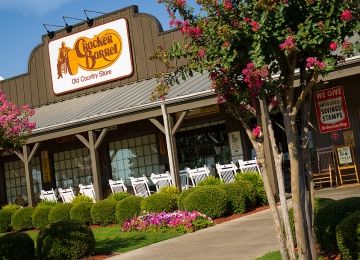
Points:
(335, 136)
(331, 109)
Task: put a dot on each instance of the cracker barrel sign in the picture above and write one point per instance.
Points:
(331, 109)
(90, 57)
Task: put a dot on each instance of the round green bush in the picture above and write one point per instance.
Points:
(211, 180)
(348, 237)
(249, 192)
(65, 239)
(103, 212)
(236, 197)
(118, 196)
(320, 203)
(81, 198)
(40, 216)
(5, 216)
(17, 246)
(22, 219)
(47, 203)
(256, 180)
(60, 211)
(159, 202)
(209, 200)
(81, 212)
(329, 217)
(5, 221)
(128, 208)
(170, 189)
(183, 195)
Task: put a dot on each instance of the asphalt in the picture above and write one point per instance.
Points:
(244, 238)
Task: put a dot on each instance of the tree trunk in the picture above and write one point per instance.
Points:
(280, 179)
(272, 203)
(300, 223)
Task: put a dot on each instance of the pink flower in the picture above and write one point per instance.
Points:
(314, 63)
(256, 132)
(180, 3)
(289, 44)
(228, 5)
(255, 26)
(333, 46)
(201, 52)
(247, 19)
(346, 15)
(346, 45)
(254, 77)
(226, 44)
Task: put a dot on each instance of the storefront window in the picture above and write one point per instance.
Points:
(134, 157)
(72, 168)
(203, 145)
(16, 181)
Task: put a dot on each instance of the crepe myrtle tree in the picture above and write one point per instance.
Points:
(15, 126)
(260, 55)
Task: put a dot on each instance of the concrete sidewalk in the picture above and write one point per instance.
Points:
(244, 238)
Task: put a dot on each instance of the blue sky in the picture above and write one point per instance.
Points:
(22, 24)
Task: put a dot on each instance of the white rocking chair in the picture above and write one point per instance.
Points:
(67, 195)
(226, 172)
(117, 186)
(161, 180)
(198, 174)
(88, 190)
(140, 186)
(249, 166)
(184, 178)
(48, 195)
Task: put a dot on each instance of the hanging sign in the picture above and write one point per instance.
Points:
(235, 145)
(45, 167)
(90, 57)
(331, 109)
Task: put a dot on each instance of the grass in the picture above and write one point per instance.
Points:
(110, 240)
(275, 255)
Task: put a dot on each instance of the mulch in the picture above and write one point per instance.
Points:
(239, 215)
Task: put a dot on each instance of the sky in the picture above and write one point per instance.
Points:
(22, 24)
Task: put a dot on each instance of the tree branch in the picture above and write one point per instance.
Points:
(304, 93)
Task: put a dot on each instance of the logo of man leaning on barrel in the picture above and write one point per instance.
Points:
(96, 53)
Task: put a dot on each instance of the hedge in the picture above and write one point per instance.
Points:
(17, 246)
(22, 219)
(329, 217)
(211, 180)
(60, 211)
(128, 208)
(257, 182)
(40, 216)
(209, 200)
(236, 197)
(103, 212)
(348, 237)
(81, 212)
(65, 239)
(159, 202)
(119, 196)
(183, 195)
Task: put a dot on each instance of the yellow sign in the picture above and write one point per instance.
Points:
(45, 167)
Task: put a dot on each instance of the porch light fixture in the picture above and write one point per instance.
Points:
(51, 34)
(88, 21)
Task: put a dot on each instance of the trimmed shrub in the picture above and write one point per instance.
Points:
(61, 211)
(5, 216)
(5, 221)
(320, 203)
(171, 190)
(47, 203)
(329, 217)
(17, 246)
(257, 182)
(81, 198)
(159, 202)
(22, 219)
(211, 180)
(249, 193)
(236, 197)
(128, 208)
(65, 240)
(40, 216)
(348, 237)
(183, 195)
(209, 200)
(103, 212)
(118, 196)
(81, 212)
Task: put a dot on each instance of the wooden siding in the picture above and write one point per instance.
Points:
(35, 87)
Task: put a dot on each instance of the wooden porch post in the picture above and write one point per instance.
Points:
(25, 157)
(93, 144)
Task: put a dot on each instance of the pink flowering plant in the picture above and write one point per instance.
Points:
(14, 124)
(261, 50)
(178, 221)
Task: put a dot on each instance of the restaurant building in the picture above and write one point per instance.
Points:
(91, 88)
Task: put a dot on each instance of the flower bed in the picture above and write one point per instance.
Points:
(179, 221)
